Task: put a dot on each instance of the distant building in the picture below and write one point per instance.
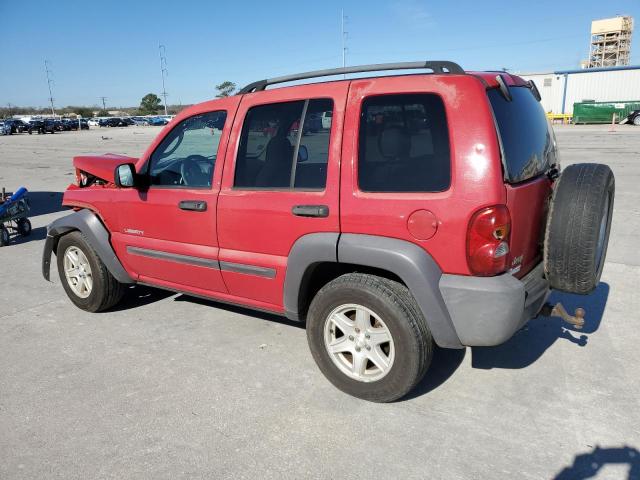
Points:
(560, 90)
(610, 43)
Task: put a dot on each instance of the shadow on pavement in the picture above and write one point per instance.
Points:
(530, 343)
(139, 296)
(271, 317)
(587, 465)
(38, 233)
(443, 365)
(43, 203)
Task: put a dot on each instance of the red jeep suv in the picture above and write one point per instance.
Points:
(389, 213)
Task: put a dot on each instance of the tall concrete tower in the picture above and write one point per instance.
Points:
(610, 42)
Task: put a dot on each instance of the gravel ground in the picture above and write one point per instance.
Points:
(167, 386)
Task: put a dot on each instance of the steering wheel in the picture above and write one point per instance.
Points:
(191, 172)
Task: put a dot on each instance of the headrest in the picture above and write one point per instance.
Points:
(394, 142)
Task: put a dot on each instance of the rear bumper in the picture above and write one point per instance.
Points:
(487, 311)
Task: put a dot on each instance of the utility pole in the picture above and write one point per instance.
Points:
(164, 72)
(49, 82)
(104, 103)
(344, 35)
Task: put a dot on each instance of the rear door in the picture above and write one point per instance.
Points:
(280, 182)
(528, 151)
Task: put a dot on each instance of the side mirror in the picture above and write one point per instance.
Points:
(124, 175)
(303, 154)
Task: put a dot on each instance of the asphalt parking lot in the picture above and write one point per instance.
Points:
(168, 386)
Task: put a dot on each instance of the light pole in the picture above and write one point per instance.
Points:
(163, 72)
(49, 82)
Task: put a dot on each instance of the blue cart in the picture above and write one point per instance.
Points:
(14, 210)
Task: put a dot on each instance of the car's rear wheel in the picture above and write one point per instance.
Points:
(369, 337)
(578, 227)
(636, 120)
(86, 280)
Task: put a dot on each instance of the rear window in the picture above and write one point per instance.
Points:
(527, 139)
(404, 144)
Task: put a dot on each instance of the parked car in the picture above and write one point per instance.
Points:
(93, 122)
(416, 222)
(140, 121)
(112, 122)
(5, 128)
(157, 121)
(42, 126)
(69, 124)
(127, 121)
(633, 118)
(17, 126)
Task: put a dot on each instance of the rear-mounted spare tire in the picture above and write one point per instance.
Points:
(578, 227)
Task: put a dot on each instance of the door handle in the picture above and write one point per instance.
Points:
(311, 211)
(195, 205)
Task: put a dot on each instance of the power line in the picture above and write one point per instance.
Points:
(49, 82)
(164, 72)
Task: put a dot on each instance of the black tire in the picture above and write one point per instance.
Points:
(578, 227)
(106, 291)
(24, 227)
(394, 303)
(636, 120)
(4, 236)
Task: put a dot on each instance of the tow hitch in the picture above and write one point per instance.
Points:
(557, 310)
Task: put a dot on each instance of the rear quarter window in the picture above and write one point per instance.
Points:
(404, 144)
(528, 142)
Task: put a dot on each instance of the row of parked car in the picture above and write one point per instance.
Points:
(127, 121)
(12, 126)
(48, 125)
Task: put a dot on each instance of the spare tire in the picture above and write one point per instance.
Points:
(578, 227)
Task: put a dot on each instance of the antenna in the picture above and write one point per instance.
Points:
(344, 35)
(164, 72)
(47, 71)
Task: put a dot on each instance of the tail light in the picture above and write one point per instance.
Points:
(488, 241)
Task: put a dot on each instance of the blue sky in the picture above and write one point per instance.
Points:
(110, 47)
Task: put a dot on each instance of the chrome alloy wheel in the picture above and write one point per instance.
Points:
(78, 272)
(359, 343)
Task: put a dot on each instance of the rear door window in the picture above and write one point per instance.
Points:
(527, 139)
(275, 153)
(404, 144)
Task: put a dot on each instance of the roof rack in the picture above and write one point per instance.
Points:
(438, 66)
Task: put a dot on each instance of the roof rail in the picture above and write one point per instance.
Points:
(438, 66)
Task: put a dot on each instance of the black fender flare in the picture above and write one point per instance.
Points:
(88, 223)
(409, 262)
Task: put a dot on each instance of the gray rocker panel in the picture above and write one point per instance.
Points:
(96, 234)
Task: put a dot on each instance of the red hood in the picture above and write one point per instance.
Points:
(101, 166)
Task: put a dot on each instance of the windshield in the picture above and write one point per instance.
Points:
(528, 141)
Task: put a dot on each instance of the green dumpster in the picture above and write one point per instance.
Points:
(602, 112)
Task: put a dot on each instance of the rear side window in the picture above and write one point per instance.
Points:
(285, 146)
(404, 144)
(527, 139)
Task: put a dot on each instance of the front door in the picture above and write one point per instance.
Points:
(280, 182)
(167, 229)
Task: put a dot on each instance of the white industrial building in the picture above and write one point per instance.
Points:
(559, 90)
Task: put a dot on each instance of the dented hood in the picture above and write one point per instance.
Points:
(101, 166)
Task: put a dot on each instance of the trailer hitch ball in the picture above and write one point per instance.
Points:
(557, 310)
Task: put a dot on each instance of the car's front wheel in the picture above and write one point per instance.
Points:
(369, 337)
(86, 280)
